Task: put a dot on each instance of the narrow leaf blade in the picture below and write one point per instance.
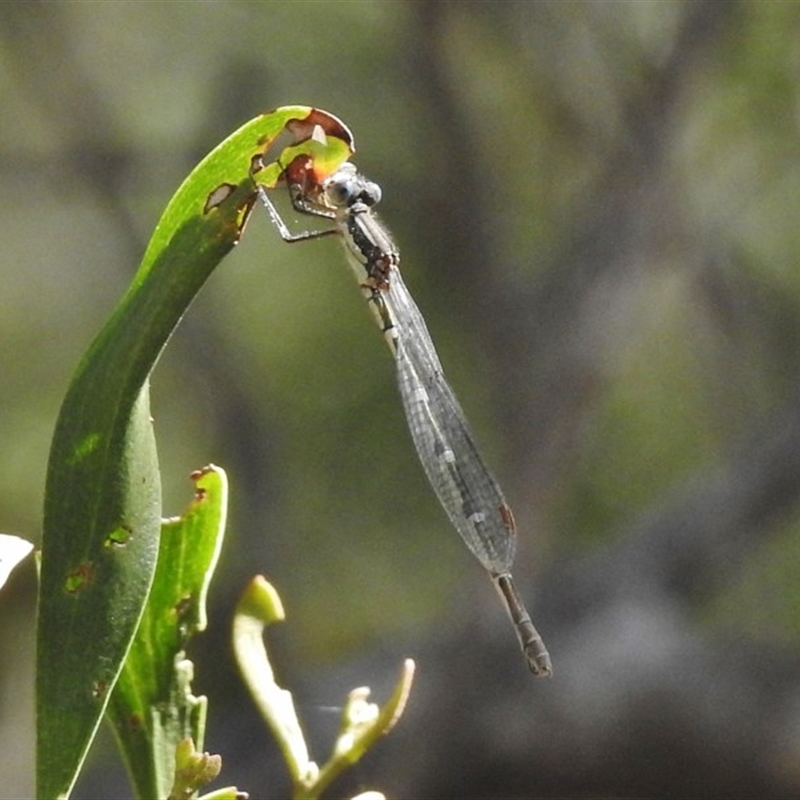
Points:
(152, 708)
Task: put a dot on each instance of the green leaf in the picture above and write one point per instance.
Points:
(102, 511)
(363, 724)
(152, 709)
(260, 606)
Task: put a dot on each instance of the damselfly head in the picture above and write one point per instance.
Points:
(347, 186)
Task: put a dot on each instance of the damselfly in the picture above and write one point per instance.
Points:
(446, 447)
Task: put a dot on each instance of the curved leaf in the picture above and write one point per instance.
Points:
(152, 708)
(103, 499)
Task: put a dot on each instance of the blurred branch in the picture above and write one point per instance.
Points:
(544, 333)
(629, 215)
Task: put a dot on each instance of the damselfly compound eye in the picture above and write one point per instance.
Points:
(370, 193)
(342, 191)
(346, 187)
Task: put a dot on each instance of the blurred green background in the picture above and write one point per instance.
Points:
(597, 207)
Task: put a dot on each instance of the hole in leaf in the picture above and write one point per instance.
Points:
(99, 688)
(118, 537)
(79, 578)
(218, 196)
